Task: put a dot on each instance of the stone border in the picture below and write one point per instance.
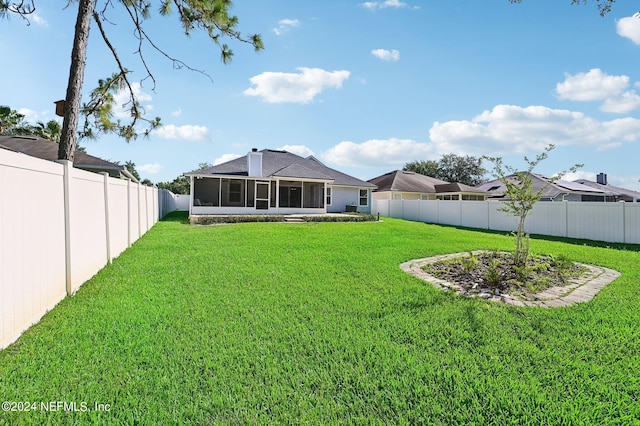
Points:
(579, 290)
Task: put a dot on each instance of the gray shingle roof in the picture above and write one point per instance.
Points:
(403, 181)
(623, 193)
(48, 150)
(284, 164)
(549, 190)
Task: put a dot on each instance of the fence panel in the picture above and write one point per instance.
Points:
(547, 219)
(118, 217)
(411, 209)
(449, 212)
(37, 260)
(32, 241)
(88, 231)
(632, 223)
(596, 221)
(475, 214)
(134, 209)
(611, 222)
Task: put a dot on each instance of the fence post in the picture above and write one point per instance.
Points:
(566, 218)
(128, 212)
(66, 179)
(106, 215)
(139, 212)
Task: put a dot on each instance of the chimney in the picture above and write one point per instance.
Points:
(601, 178)
(254, 163)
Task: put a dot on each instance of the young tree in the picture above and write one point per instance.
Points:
(210, 16)
(521, 196)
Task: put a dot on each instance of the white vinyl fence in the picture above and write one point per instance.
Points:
(48, 250)
(610, 222)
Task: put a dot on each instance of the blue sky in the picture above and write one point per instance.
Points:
(364, 86)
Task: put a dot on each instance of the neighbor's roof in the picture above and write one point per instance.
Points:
(549, 190)
(615, 190)
(404, 181)
(48, 150)
(284, 164)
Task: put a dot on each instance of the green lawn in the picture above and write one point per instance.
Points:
(270, 323)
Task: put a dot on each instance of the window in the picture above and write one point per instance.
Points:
(329, 196)
(397, 196)
(424, 197)
(364, 197)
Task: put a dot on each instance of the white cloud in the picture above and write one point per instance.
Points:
(391, 152)
(39, 20)
(622, 104)
(591, 86)
(225, 157)
(508, 129)
(375, 5)
(579, 174)
(177, 113)
(300, 88)
(29, 114)
(300, 150)
(186, 132)
(386, 55)
(285, 25)
(629, 27)
(122, 103)
(152, 168)
(628, 182)
(610, 145)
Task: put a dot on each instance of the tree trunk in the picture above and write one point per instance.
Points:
(68, 138)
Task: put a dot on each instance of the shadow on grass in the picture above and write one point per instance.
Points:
(177, 216)
(574, 241)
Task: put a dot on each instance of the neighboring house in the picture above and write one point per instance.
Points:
(403, 185)
(48, 150)
(560, 190)
(276, 182)
(618, 194)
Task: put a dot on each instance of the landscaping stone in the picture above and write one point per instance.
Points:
(576, 290)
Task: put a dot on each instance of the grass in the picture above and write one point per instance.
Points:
(268, 323)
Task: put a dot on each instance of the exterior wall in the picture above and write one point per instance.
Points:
(207, 210)
(343, 196)
(610, 222)
(45, 255)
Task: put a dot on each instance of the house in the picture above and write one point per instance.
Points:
(618, 194)
(276, 182)
(48, 150)
(560, 190)
(404, 185)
